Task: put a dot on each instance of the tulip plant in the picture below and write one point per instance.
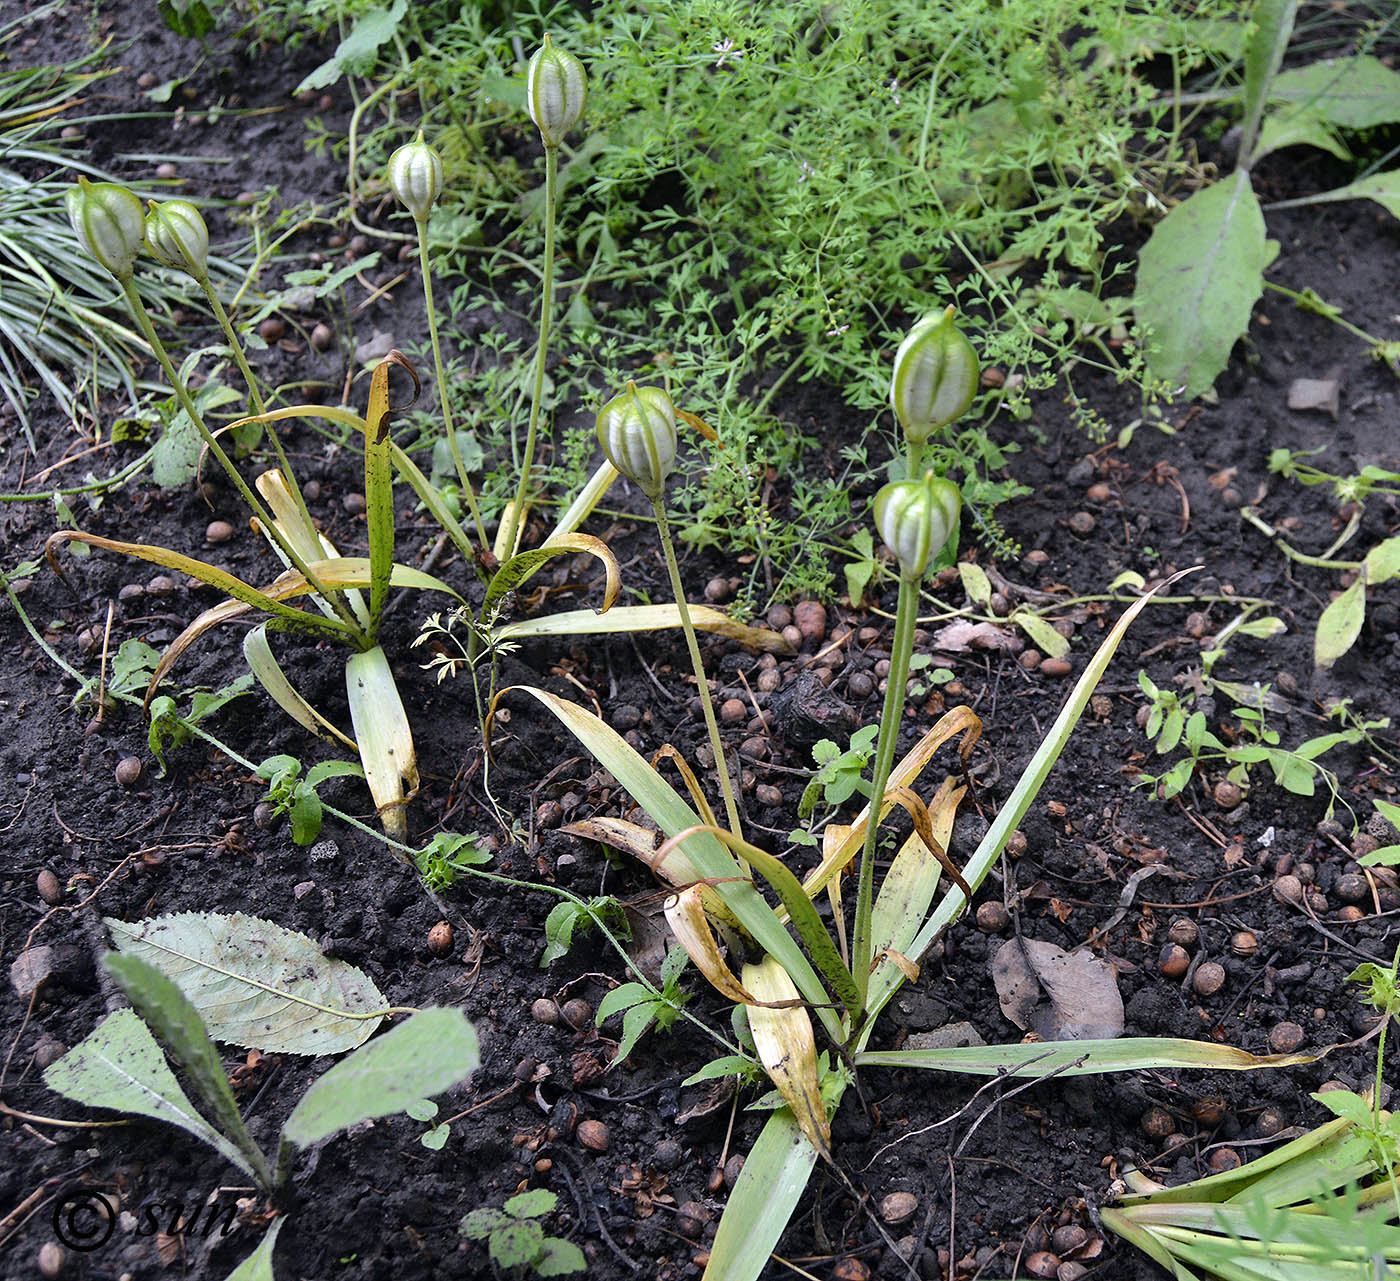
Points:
(793, 971)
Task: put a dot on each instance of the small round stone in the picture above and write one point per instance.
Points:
(717, 591)
(440, 939)
(769, 680)
(625, 716)
(1016, 844)
(128, 771)
(779, 616)
(1223, 1159)
(1043, 1264)
(667, 1155)
(265, 816)
(160, 585)
(1098, 493)
(1030, 659)
(1269, 1122)
(810, 617)
(1157, 1123)
(860, 685)
(992, 917)
(130, 591)
(49, 887)
(1208, 979)
(48, 1052)
(1243, 943)
(733, 1168)
(354, 504)
(1351, 887)
(691, 1217)
(733, 710)
(1288, 889)
(545, 1011)
(1068, 1238)
(594, 1136)
(322, 336)
(576, 1012)
(272, 329)
(1209, 1111)
(166, 171)
(1038, 556)
(1285, 1038)
(1174, 961)
(792, 635)
(851, 1269)
(218, 531)
(1227, 795)
(53, 1259)
(898, 1207)
(1056, 667)
(1082, 523)
(767, 794)
(1196, 625)
(1183, 931)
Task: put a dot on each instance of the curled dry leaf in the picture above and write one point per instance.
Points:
(1058, 995)
(959, 637)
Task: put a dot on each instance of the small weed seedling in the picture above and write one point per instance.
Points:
(642, 1005)
(297, 797)
(516, 1240)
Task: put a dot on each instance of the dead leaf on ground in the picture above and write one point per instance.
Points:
(959, 637)
(1058, 995)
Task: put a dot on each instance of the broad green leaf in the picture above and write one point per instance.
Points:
(257, 984)
(520, 567)
(1199, 276)
(1352, 93)
(532, 1204)
(175, 456)
(1297, 127)
(1383, 188)
(177, 1025)
(1271, 24)
(558, 1258)
(1383, 560)
(516, 1243)
(1082, 1058)
(1340, 624)
(975, 582)
(425, 1055)
(258, 1265)
(1043, 636)
(120, 1066)
(374, 28)
(643, 618)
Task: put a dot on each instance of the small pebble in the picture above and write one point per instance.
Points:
(1270, 1121)
(1197, 625)
(1243, 943)
(272, 329)
(667, 1155)
(851, 1269)
(1157, 1123)
(1056, 667)
(767, 794)
(1016, 844)
(219, 531)
(1223, 1159)
(769, 680)
(49, 887)
(354, 504)
(898, 1207)
(1037, 556)
(1174, 961)
(1030, 659)
(130, 591)
(1183, 931)
(992, 378)
(128, 771)
(691, 1217)
(53, 1258)
(549, 815)
(1098, 492)
(810, 617)
(755, 748)
(1209, 1111)
(322, 336)
(1288, 889)
(733, 1168)
(625, 716)
(717, 591)
(1227, 795)
(1351, 887)
(1208, 979)
(70, 131)
(545, 1011)
(1068, 1238)
(594, 1136)
(779, 616)
(265, 816)
(992, 917)
(440, 939)
(860, 685)
(160, 585)
(792, 635)
(48, 1052)
(1285, 1038)
(1082, 523)
(577, 1012)
(733, 710)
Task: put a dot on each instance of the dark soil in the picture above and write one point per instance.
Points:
(989, 1187)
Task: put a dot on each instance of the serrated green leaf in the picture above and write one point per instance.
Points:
(120, 1066)
(558, 1258)
(425, 1055)
(1199, 276)
(257, 984)
(258, 1265)
(516, 1243)
(177, 1025)
(1340, 624)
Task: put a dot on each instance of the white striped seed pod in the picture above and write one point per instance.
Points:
(177, 236)
(637, 430)
(555, 90)
(935, 377)
(108, 222)
(415, 176)
(916, 518)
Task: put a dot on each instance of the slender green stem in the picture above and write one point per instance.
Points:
(462, 479)
(916, 460)
(906, 618)
(1251, 516)
(726, 785)
(265, 517)
(255, 395)
(516, 513)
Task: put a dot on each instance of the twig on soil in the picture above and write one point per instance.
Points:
(631, 1264)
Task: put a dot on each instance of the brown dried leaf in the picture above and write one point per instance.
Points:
(1058, 995)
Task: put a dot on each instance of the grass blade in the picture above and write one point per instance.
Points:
(645, 618)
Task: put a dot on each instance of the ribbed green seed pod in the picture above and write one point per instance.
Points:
(415, 175)
(916, 518)
(637, 429)
(555, 90)
(108, 222)
(935, 377)
(177, 236)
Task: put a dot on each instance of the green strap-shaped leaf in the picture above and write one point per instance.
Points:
(379, 486)
(258, 1265)
(521, 566)
(644, 618)
(425, 1055)
(1199, 276)
(176, 1023)
(1272, 22)
(120, 1066)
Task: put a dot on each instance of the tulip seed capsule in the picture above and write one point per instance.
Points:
(637, 430)
(177, 237)
(555, 90)
(108, 222)
(415, 175)
(916, 518)
(935, 377)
